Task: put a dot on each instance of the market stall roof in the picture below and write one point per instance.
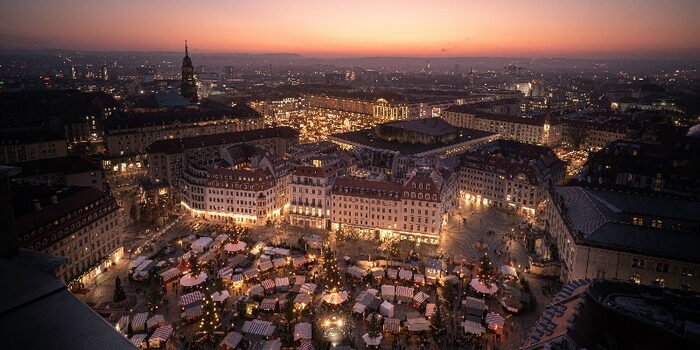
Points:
(162, 333)
(509, 270)
(220, 296)
(170, 274)
(417, 324)
(483, 288)
(139, 320)
(222, 237)
(191, 298)
(429, 309)
(226, 272)
(302, 331)
(137, 339)
(372, 341)
(156, 320)
(336, 298)
(472, 327)
(282, 282)
(356, 271)
(203, 242)
(231, 340)
(359, 308)
(511, 303)
(392, 324)
(192, 312)
(271, 345)
(307, 345)
(494, 320)
(256, 290)
(234, 247)
(268, 304)
(190, 281)
(404, 292)
(302, 298)
(259, 327)
(405, 274)
(308, 288)
(388, 292)
(420, 297)
(268, 284)
(474, 303)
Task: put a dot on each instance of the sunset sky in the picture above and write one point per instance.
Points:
(438, 28)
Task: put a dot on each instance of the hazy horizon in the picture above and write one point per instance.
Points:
(595, 29)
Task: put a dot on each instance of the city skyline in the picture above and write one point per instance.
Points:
(620, 29)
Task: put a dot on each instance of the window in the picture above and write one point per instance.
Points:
(657, 223)
(638, 263)
(659, 282)
(661, 267)
(637, 221)
(635, 279)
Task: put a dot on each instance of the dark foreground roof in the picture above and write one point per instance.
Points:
(603, 218)
(38, 312)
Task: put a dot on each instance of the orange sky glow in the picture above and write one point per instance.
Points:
(438, 28)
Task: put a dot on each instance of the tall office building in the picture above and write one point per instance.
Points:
(188, 88)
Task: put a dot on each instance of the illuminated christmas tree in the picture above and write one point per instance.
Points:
(486, 275)
(194, 266)
(330, 267)
(210, 317)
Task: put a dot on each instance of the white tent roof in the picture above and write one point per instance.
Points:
(336, 298)
(473, 327)
(189, 281)
(203, 242)
(372, 341)
(509, 270)
(220, 296)
(231, 247)
(482, 288)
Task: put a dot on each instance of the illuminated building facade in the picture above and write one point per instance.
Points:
(509, 174)
(415, 209)
(538, 130)
(311, 195)
(82, 224)
(17, 146)
(248, 186)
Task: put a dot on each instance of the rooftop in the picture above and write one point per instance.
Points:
(66, 165)
(174, 146)
(603, 218)
(368, 138)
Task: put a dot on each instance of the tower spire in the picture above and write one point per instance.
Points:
(186, 53)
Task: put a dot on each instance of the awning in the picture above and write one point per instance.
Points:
(359, 308)
(307, 345)
(268, 304)
(226, 272)
(279, 262)
(139, 321)
(404, 293)
(302, 298)
(388, 292)
(256, 290)
(405, 274)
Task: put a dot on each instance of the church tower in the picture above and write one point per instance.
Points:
(188, 88)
